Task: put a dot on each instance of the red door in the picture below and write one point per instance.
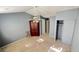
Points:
(34, 28)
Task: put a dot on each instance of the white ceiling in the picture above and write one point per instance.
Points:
(45, 11)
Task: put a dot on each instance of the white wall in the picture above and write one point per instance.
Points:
(52, 26)
(43, 26)
(69, 17)
(75, 41)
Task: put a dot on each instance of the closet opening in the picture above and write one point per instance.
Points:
(47, 25)
(59, 27)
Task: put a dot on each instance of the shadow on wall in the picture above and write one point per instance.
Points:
(2, 40)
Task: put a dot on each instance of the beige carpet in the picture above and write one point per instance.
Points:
(36, 44)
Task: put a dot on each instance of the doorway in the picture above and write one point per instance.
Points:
(59, 27)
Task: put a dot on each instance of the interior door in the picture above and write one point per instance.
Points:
(34, 28)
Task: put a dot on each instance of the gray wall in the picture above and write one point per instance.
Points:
(75, 41)
(13, 26)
